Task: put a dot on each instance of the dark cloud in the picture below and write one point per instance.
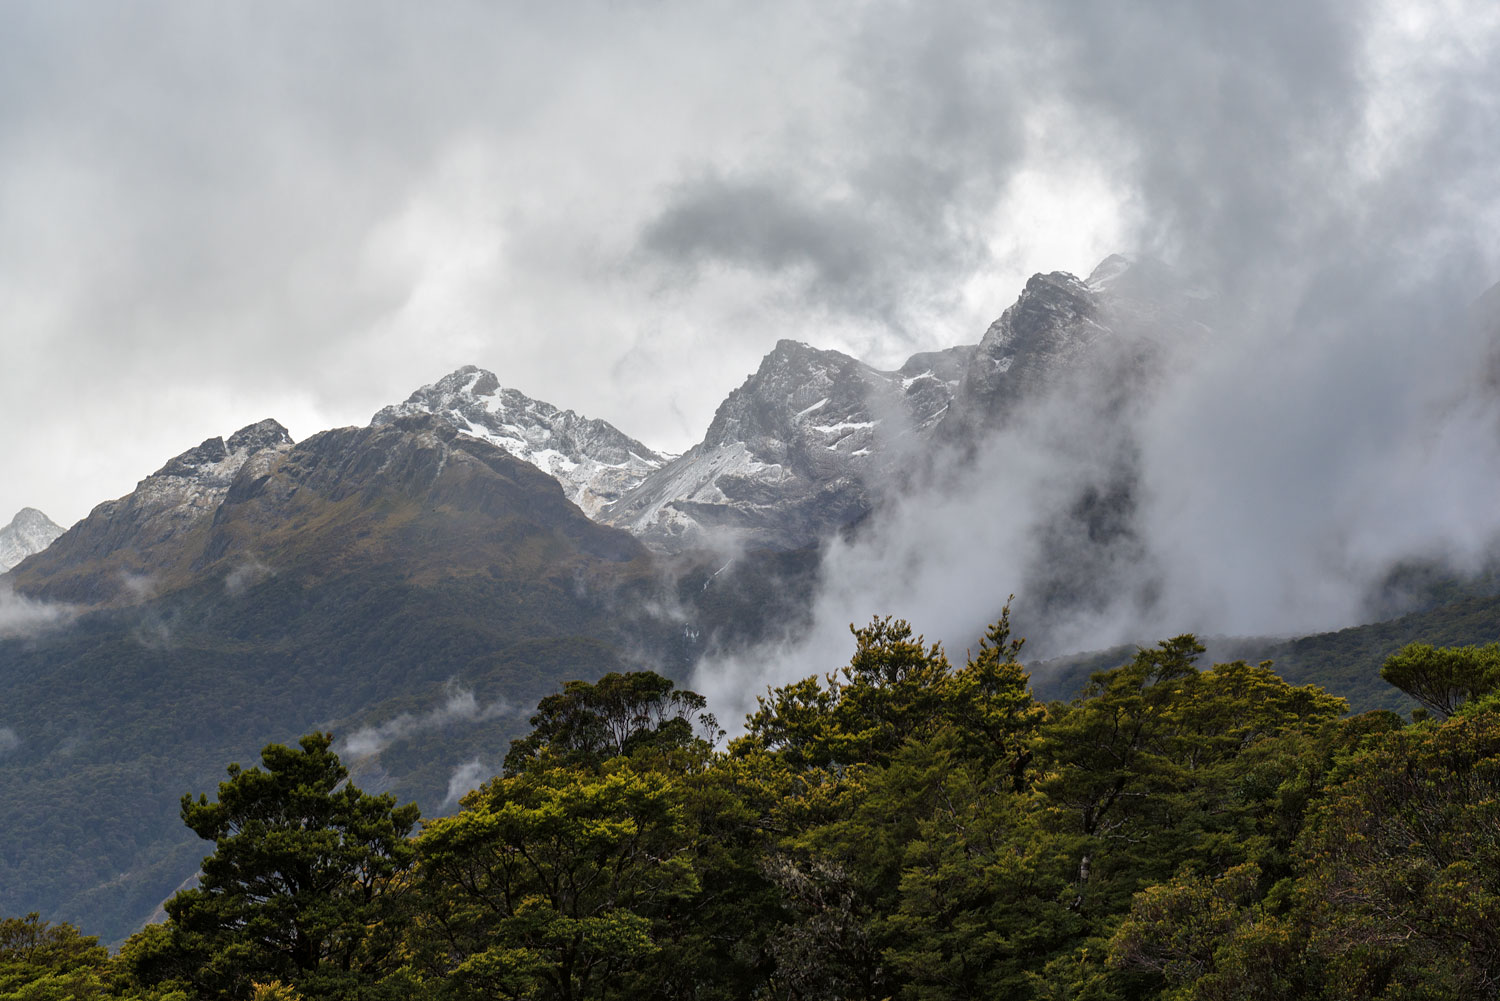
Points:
(765, 225)
(883, 209)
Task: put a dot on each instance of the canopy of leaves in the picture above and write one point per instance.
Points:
(899, 828)
(1444, 679)
(618, 714)
(301, 885)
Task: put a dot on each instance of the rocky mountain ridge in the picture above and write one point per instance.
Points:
(593, 460)
(791, 454)
(806, 446)
(813, 439)
(29, 532)
(113, 554)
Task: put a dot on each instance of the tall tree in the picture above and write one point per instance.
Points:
(547, 884)
(1401, 890)
(589, 722)
(302, 884)
(1442, 679)
(41, 961)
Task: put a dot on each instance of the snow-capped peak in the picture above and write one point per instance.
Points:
(592, 459)
(787, 456)
(30, 531)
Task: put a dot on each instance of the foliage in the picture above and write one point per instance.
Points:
(899, 828)
(40, 961)
(896, 689)
(547, 883)
(1442, 680)
(306, 873)
(618, 714)
(1402, 863)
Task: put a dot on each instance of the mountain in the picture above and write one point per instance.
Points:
(148, 540)
(418, 584)
(1063, 333)
(363, 580)
(1068, 370)
(813, 440)
(29, 532)
(791, 454)
(593, 460)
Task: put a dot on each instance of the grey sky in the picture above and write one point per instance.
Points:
(211, 214)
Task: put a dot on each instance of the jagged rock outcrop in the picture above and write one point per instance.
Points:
(124, 547)
(593, 460)
(1070, 335)
(791, 454)
(1070, 366)
(1048, 330)
(29, 532)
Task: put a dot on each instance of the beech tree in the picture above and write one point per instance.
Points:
(300, 887)
(41, 961)
(547, 884)
(589, 722)
(1442, 679)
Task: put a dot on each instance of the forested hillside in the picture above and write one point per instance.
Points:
(906, 827)
(1345, 661)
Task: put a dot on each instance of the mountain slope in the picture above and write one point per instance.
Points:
(1346, 662)
(28, 533)
(359, 574)
(145, 541)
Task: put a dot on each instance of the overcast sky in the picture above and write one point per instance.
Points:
(215, 213)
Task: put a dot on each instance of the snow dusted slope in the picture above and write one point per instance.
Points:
(592, 459)
(791, 454)
(29, 532)
(109, 555)
(809, 441)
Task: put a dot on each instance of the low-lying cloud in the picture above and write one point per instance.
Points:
(1268, 481)
(465, 778)
(460, 706)
(23, 618)
(247, 573)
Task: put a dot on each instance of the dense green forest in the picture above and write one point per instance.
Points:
(903, 828)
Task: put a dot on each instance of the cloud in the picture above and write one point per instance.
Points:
(460, 706)
(23, 618)
(213, 213)
(8, 740)
(1318, 173)
(881, 212)
(465, 778)
(1256, 481)
(247, 573)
